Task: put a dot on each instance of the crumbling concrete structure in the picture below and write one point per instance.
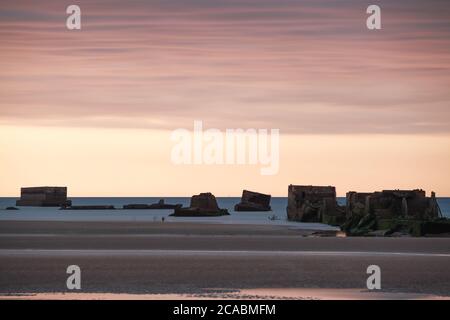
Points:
(383, 213)
(389, 211)
(313, 204)
(159, 205)
(389, 204)
(43, 197)
(89, 207)
(253, 201)
(203, 204)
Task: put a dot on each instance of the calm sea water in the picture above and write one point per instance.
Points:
(54, 214)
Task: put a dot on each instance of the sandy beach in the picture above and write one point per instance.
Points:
(213, 149)
(246, 294)
(156, 260)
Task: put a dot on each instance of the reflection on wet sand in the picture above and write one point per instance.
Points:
(246, 294)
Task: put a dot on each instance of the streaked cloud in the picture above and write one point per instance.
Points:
(301, 66)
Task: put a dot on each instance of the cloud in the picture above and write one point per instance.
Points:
(301, 66)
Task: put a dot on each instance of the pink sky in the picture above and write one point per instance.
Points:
(305, 67)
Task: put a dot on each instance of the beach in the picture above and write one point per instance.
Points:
(208, 260)
(194, 149)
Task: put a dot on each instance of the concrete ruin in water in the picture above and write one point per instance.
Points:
(202, 205)
(43, 197)
(253, 201)
(368, 213)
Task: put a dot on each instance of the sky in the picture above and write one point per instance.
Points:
(94, 109)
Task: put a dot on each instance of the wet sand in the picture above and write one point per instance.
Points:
(197, 261)
(246, 294)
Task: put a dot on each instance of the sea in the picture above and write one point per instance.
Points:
(275, 217)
